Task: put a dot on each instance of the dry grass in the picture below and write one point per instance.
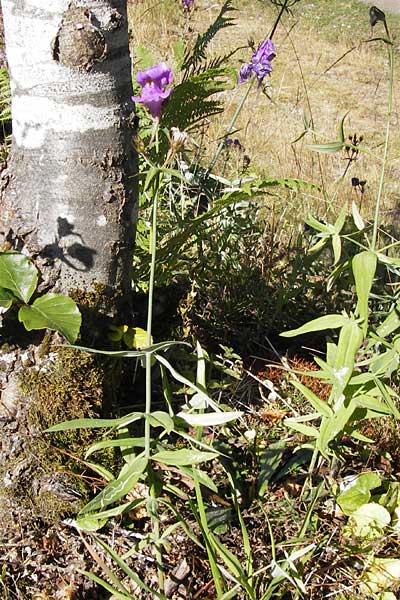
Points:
(305, 82)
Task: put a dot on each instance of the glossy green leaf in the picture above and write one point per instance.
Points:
(364, 268)
(320, 324)
(357, 491)
(18, 274)
(6, 298)
(183, 457)
(52, 311)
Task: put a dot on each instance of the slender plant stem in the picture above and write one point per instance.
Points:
(229, 128)
(385, 150)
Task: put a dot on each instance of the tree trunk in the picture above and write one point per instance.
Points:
(68, 200)
(68, 196)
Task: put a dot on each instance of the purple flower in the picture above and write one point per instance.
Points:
(260, 63)
(187, 4)
(154, 80)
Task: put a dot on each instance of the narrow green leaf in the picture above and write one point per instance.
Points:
(209, 419)
(358, 221)
(118, 488)
(337, 247)
(52, 311)
(350, 340)
(160, 418)
(131, 353)
(183, 457)
(95, 423)
(307, 430)
(320, 324)
(119, 443)
(329, 148)
(364, 268)
(318, 404)
(18, 274)
(390, 324)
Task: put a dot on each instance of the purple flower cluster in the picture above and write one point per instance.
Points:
(260, 63)
(154, 80)
(187, 4)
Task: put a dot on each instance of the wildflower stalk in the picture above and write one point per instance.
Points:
(385, 149)
(229, 129)
(148, 366)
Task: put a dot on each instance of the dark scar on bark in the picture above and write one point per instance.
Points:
(79, 43)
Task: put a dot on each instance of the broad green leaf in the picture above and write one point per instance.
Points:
(209, 419)
(320, 324)
(381, 575)
(135, 338)
(369, 521)
(52, 311)
(183, 457)
(18, 274)
(357, 491)
(6, 298)
(364, 268)
(318, 404)
(119, 487)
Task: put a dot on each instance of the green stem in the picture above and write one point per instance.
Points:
(385, 151)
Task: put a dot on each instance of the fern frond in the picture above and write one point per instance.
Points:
(191, 103)
(197, 54)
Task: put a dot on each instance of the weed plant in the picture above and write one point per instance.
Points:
(284, 505)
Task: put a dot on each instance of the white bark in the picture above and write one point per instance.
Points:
(68, 195)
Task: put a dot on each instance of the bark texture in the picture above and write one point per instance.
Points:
(68, 194)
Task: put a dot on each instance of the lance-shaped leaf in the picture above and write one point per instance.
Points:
(364, 268)
(320, 324)
(18, 274)
(118, 488)
(52, 311)
(185, 457)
